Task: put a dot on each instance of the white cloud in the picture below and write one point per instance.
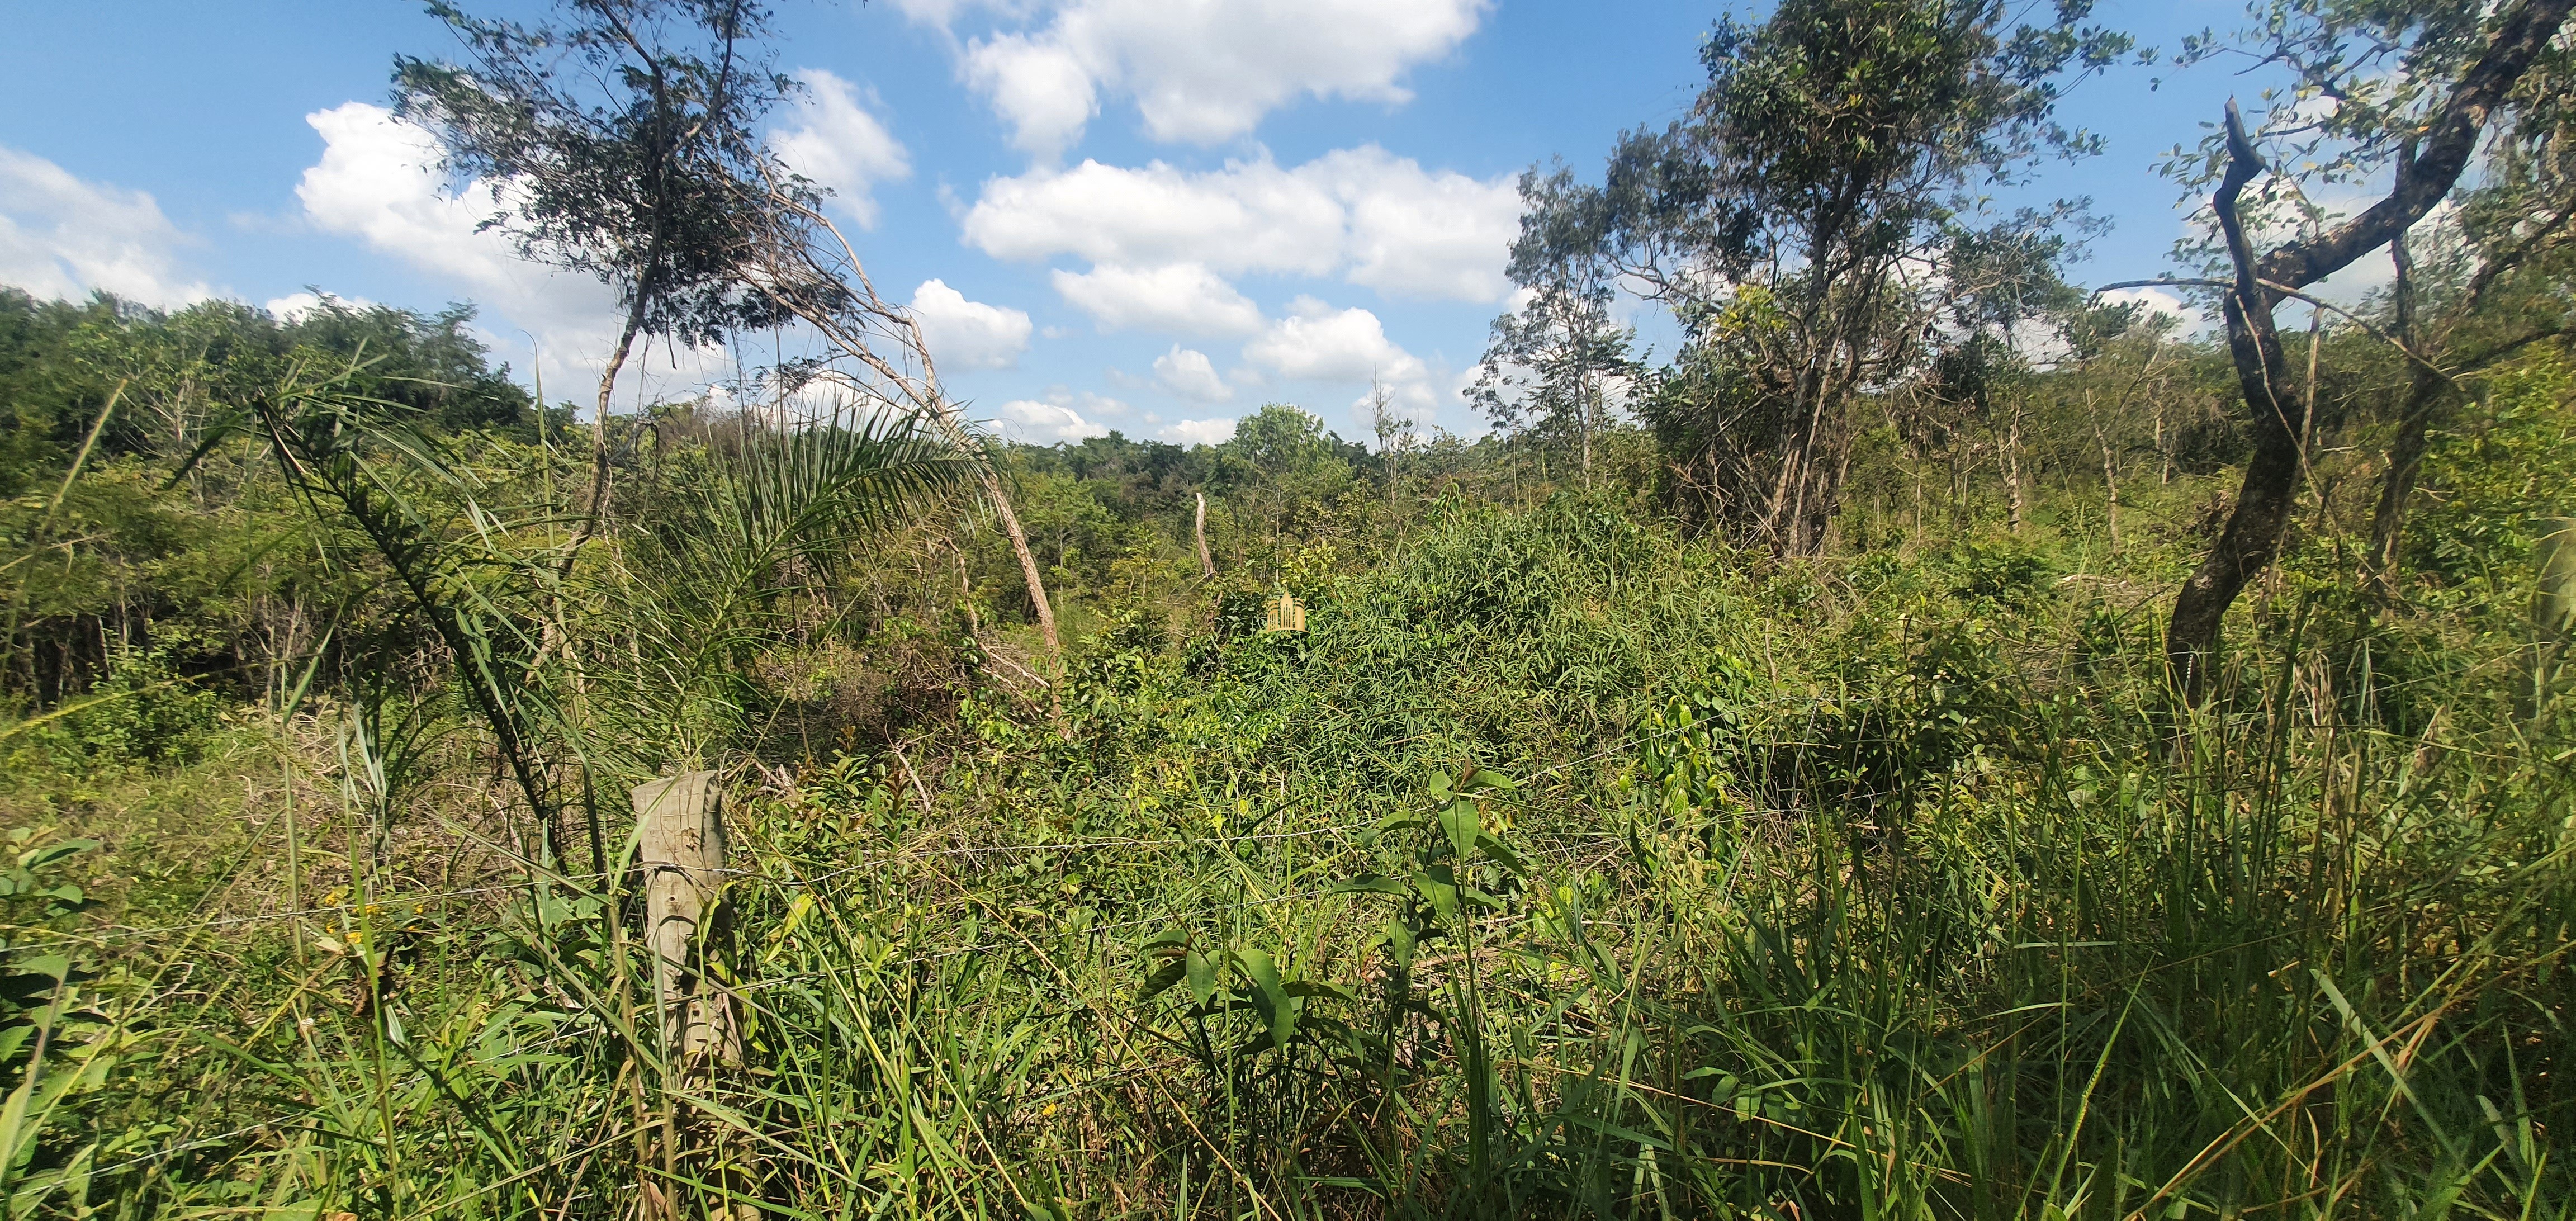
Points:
(965, 334)
(2157, 300)
(1318, 343)
(63, 237)
(1045, 423)
(841, 145)
(294, 306)
(1060, 418)
(1419, 234)
(1180, 297)
(1198, 72)
(1042, 90)
(1190, 375)
(1378, 219)
(1199, 432)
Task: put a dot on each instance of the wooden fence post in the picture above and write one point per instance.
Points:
(2553, 614)
(683, 856)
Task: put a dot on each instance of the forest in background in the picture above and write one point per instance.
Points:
(1936, 744)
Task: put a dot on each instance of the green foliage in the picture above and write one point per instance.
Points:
(2488, 485)
(1572, 862)
(638, 168)
(140, 712)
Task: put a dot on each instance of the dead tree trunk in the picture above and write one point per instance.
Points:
(2110, 475)
(2015, 505)
(2425, 394)
(680, 825)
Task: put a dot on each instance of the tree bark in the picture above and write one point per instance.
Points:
(2011, 455)
(2553, 616)
(2110, 475)
(1028, 560)
(2406, 449)
(599, 484)
(2254, 529)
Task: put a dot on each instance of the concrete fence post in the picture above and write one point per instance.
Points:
(683, 858)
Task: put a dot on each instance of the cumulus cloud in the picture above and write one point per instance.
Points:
(1039, 88)
(841, 144)
(1181, 297)
(1197, 72)
(965, 334)
(1045, 423)
(1379, 220)
(1318, 343)
(1191, 375)
(1063, 416)
(64, 237)
(1199, 432)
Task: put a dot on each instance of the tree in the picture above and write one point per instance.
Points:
(2416, 99)
(615, 144)
(2512, 236)
(1394, 433)
(2002, 281)
(1830, 151)
(1549, 365)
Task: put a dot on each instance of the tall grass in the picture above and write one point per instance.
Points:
(1564, 868)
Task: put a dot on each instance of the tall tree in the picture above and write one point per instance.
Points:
(1394, 432)
(615, 143)
(1832, 149)
(2414, 86)
(1550, 364)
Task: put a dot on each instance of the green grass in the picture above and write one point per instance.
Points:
(1879, 888)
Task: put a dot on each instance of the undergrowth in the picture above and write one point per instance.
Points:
(1564, 866)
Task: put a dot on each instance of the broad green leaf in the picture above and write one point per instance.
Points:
(1400, 942)
(1162, 979)
(1482, 780)
(1371, 883)
(1460, 820)
(1269, 998)
(1439, 885)
(1202, 973)
(40, 857)
(1501, 855)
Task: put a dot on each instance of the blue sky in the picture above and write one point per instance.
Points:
(1148, 215)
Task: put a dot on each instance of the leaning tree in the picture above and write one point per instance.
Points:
(2411, 89)
(626, 143)
(613, 143)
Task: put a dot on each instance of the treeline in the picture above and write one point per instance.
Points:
(178, 552)
(136, 524)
